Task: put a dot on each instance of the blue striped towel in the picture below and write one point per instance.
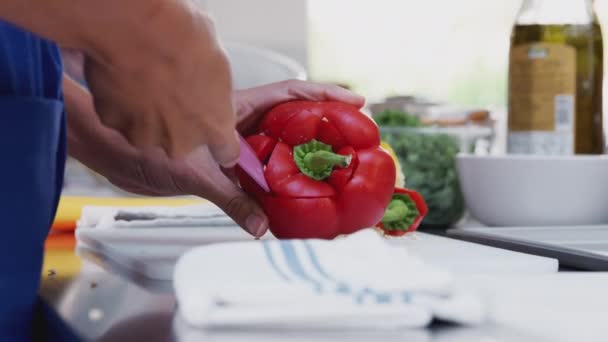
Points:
(356, 282)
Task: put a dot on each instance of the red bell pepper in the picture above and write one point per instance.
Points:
(404, 213)
(326, 170)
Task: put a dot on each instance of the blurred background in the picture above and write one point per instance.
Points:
(448, 51)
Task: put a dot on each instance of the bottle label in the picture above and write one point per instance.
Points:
(542, 92)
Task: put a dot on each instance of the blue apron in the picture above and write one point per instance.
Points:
(32, 155)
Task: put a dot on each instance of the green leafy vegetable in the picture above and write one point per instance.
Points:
(396, 118)
(428, 161)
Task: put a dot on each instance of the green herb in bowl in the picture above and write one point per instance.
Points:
(428, 160)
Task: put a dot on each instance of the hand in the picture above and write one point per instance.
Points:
(153, 173)
(252, 103)
(155, 69)
(169, 86)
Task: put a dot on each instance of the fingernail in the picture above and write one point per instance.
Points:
(256, 225)
(222, 152)
(231, 164)
(225, 151)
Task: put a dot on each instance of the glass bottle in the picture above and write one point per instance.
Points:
(555, 79)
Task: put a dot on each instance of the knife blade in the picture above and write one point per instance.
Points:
(250, 163)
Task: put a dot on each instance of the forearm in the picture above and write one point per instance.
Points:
(95, 27)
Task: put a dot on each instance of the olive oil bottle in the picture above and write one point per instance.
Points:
(555, 79)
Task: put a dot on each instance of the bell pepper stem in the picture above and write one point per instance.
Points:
(400, 213)
(396, 211)
(317, 160)
(321, 160)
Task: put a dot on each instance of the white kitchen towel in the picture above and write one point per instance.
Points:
(359, 281)
(197, 215)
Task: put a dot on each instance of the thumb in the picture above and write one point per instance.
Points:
(242, 209)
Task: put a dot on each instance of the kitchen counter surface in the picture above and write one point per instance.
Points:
(109, 304)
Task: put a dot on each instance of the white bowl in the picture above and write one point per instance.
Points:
(522, 190)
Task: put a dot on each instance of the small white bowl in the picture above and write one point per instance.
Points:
(522, 190)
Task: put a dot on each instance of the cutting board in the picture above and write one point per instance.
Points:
(70, 207)
(153, 252)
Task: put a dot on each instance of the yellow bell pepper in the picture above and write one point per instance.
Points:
(400, 180)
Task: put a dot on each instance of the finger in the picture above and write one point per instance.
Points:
(211, 183)
(246, 213)
(113, 119)
(231, 174)
(257, 100)
(226, 151)
(323, 92)
(148, 134)
(240, 207)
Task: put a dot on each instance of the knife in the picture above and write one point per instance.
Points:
(250, 163)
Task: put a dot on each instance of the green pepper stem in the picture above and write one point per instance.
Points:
(317, 160)
(321, 160)
(396, 211)
(400, 213)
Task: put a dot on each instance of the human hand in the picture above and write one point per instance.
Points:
(155, 69)
(252, 103)
(167, 83)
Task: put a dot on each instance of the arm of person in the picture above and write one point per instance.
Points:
(53, 20)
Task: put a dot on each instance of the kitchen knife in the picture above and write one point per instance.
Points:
(250, 163)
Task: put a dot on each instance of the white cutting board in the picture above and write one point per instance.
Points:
(152, 252)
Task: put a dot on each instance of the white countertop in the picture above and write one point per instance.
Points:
(566, 306)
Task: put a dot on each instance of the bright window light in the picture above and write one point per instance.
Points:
(450, 51)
